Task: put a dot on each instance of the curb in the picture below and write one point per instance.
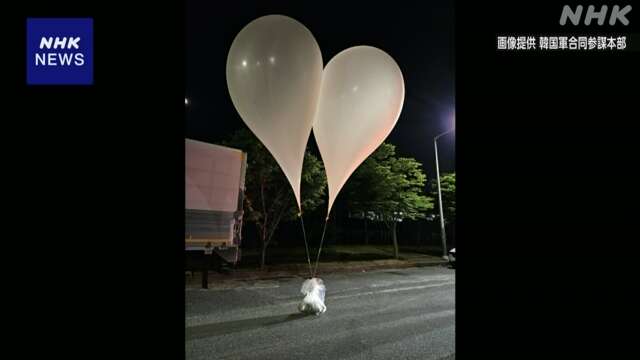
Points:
(301, 271)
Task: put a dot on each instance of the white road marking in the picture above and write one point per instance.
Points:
(392, 290)
(412, 281)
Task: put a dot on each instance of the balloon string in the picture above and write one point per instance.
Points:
(320, 248)
(306, 246)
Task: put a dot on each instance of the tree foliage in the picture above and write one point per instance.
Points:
(388, 188)
(448, 187)
(269, 198)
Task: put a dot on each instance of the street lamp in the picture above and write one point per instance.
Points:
(442, 231)
(186, 101)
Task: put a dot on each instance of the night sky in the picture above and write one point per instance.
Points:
(418, 35)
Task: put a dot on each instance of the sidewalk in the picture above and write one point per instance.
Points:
(276, 271)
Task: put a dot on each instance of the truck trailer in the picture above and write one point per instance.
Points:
(214, 195)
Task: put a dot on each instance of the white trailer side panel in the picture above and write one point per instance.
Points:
(212, 176)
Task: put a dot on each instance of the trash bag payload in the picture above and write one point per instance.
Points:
(313, 290)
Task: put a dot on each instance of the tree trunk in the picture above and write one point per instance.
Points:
(395, 240)
(263, 233)
(366, 233)
(264, 253)
(264, 243)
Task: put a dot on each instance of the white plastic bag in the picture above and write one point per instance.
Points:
(313, 290)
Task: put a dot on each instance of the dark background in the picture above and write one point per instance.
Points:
(93, 205)
(547, 187)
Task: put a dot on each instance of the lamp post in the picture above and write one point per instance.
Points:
(443, 234)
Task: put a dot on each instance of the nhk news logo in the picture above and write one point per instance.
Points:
(60, 51)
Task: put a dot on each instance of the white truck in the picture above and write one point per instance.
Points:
(214, 194)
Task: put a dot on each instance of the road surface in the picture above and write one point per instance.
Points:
(384, 314)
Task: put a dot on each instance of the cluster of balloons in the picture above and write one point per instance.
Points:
(279, 88)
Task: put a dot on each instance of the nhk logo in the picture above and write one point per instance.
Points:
(62, 59)
(59, 51)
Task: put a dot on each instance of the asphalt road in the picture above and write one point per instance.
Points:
(384, 314)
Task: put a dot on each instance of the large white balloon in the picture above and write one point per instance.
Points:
(274, 73)
(360, 102)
